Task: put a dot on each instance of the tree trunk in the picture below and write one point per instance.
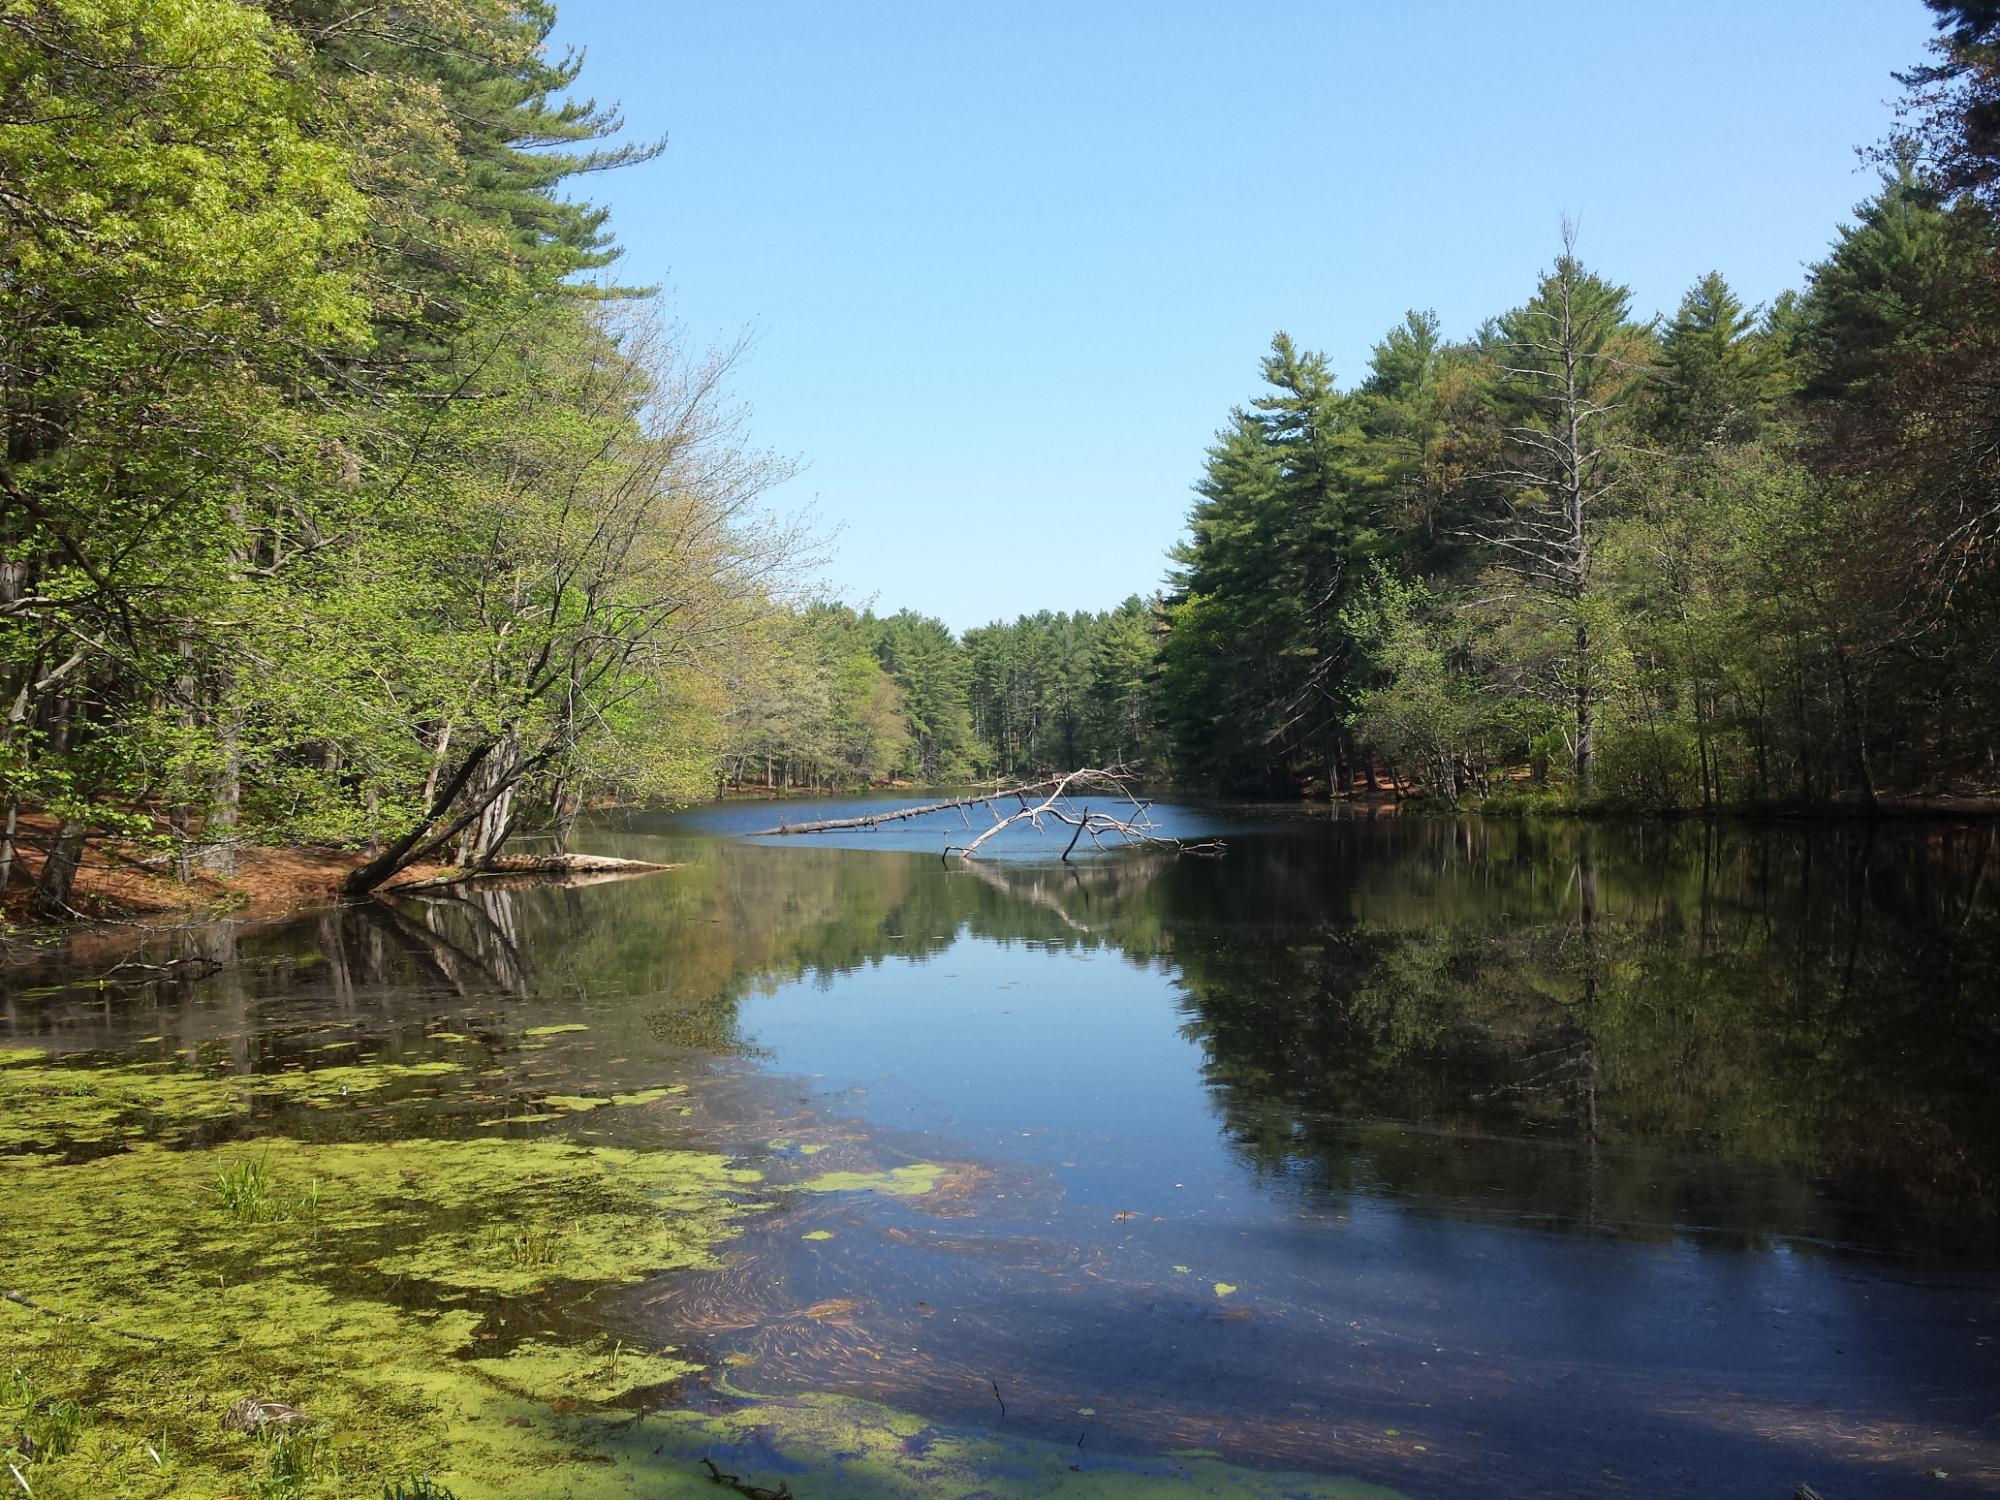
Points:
(7, 844)
(218, 829)
(398, 853)
(1586, 729)
(52, 890)
(1856, 736)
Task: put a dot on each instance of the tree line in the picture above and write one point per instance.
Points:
(345, 496)
(1728, 556)
(1732, 555)
(840, 699)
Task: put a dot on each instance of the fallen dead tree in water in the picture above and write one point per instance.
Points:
(1052, 800)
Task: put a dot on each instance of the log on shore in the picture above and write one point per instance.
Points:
(595, 866)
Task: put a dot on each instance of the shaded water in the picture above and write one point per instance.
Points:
(1464, 1158)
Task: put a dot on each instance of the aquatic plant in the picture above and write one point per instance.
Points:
(399, 1327)
(245, 1189)
(526, 1247)
(45, 1428)
(249, 1194)
(298, 1456)
(416, 1487)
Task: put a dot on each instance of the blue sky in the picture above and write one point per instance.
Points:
(1008, 266)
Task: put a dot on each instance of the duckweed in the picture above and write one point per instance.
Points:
(385, 1317)
(43, 1105)
(899, 1182)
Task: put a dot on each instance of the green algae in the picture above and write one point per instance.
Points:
(9, 1056)
(43, 1106)
(648, 1096)
(583, 1103)
(555, 1030)
(817, 1234)
(582, 1372)
(322, 1087)
(899, 1182)
(157, 1306)
(391, 1316)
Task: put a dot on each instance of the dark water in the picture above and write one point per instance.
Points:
(1469, 1159)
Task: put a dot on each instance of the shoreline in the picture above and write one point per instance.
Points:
(116, 888)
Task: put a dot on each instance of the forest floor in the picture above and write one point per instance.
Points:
(122, 880)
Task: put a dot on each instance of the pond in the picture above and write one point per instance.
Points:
(1417, 1156)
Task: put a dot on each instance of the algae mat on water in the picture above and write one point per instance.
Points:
(391, 1293)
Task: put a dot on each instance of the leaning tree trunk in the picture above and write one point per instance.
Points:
(408, 847)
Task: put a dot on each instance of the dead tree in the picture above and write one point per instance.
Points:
(1568, 362)
(1051, 801)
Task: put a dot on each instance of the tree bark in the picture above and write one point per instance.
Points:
(396, 854)
(225, 805)
(1586, 728)
(52, 890)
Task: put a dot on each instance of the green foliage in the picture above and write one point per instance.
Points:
(416, 1487)
(1750, 561)
(335, 506)
(1258, 670)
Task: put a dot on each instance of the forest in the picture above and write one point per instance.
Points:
(349, 499)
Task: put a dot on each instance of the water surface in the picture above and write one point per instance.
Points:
(1463, 1158)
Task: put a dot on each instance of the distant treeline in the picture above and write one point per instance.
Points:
(1736, 555)
(844, 700)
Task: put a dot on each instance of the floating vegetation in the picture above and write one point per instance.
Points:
(555, 1030)
(648, 1096)
(174, 1305)
(898, 1182)
(586, 1373)
(582, 1103)
(577, 1103)
(43, 1105)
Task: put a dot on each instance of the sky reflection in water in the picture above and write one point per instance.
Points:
(1467, 1159)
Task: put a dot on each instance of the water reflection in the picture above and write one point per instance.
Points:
(1739, 1034)
(1534, 1159)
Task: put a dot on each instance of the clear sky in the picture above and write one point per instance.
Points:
(1008, 265)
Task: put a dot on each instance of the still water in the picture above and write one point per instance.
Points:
(1461, 1158)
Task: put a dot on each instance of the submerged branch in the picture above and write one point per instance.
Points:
(21, 1300)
